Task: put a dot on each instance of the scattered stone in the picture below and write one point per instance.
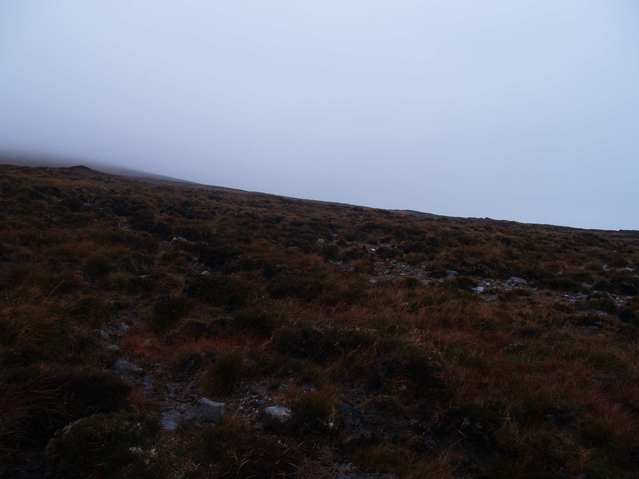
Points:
(147, 385)
(516, 282)
(278, 413)
(126, 367)
(479, 289)
(102, 334)
(120, 329)
(206, 410)
(170, 420)
(114, 348)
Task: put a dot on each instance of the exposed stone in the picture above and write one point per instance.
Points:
(126, 367)
(170, 420)
(278, 413)
(206, 410)
(102, 334)
(363, 475)
(120, 329)
(516, 282)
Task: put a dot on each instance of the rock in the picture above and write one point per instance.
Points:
(114, 348)
(206, 410)
(479, 289)
(126, 367)
(120, 329)
(170, 420)
(278, 413)
(516, 282)
(363, 475)
(102, 334)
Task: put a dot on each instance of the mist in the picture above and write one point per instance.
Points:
(520, 110)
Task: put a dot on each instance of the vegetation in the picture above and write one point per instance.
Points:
(404, 344)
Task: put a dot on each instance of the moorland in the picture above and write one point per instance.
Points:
(158, 329)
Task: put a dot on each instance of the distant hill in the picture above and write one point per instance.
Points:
(50, 161)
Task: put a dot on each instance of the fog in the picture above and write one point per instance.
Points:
(510, 109)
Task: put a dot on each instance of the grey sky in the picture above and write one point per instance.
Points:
(512, 109)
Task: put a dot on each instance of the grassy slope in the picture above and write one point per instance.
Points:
(367, 323)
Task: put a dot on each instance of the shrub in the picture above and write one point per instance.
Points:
(395, 362)
(463, 283)
(476, 424)
(52, 398)
(103, 446)
(314, 412)
(409, 283)
(602, 302)
(562, 284)
(223, 376)
(232, 450)
(168, 310)
(97, 266)
(217, 254)
(257, 321)
(383, 458)
(89, 310)
(219, 290)
(319, 345)
(304, 285)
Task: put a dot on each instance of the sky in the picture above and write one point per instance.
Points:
(525, 110)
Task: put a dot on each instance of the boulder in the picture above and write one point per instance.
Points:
(207, 411)
(123, 366)
(170, 420)
(277, 413)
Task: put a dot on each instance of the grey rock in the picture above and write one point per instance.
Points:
(120, 329)
(278, 413)
(102, 334)
(363, 475)
(126, 367)
(170, 420)
(516, 282)
(206, 410)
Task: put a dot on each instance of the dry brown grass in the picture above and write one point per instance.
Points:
(455, 384)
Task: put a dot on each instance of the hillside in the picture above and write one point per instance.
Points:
(165, 330)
